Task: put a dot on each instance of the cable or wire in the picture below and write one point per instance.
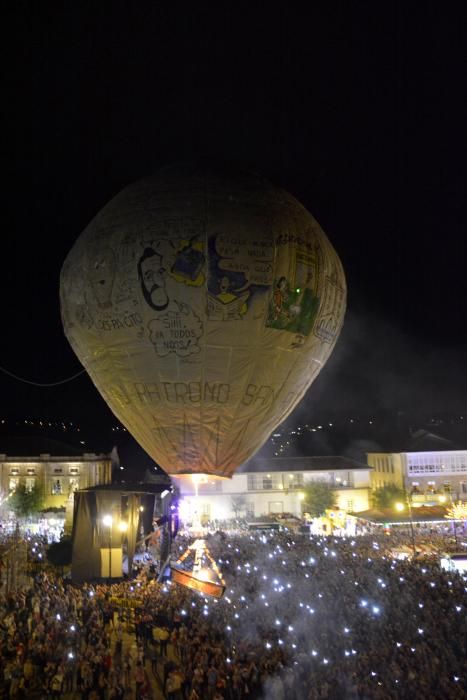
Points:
(42, 384)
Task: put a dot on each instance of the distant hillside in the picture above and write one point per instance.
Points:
(337, 433)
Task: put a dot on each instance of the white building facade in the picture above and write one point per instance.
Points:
(423, 474)
(57, 476)
(265, 487)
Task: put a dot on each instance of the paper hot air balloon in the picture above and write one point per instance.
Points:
(203, 304)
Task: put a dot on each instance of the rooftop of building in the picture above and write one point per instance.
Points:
(301, 464)
(34, 446)
(424, 514)
(129, 487)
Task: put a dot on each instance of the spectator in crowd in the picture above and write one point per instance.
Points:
(302, 618)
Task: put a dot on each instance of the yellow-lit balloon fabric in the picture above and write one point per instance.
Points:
(203, 304)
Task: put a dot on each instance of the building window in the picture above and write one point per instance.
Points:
(265, 482)
(463, 486)
(31, 471)
(14, 481)
(206, 509)
(30, 483)
(14, 471)
(350, 506)
(250, 510)
(57, 487)
(296, 481)
(251, 483)
(74, 470)
(73, 485)
(58, 470)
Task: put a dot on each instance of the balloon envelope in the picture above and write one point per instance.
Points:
(202, 304)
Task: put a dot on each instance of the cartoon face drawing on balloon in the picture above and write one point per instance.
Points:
(153, 278)
(102, 276)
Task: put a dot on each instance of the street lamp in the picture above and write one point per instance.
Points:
(400, 507)
(108, 520)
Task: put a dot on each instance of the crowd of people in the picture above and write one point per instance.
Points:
(302, 618)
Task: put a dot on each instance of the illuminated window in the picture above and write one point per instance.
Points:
(56, 487)
(14, 481)
(263, 482)
(30, 483)
(73, 485)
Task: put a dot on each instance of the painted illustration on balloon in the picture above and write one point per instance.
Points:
(179, 241)
(295, 301)
(164, 268)
(102, 276)
(189, 263)
(330, 320)
(152, 275)
(164, 260)
(240, 268)
(176, 331)
(227, 304)
(176, 297)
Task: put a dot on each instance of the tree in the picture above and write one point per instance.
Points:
(386, 496)
(457, 512)
(59, 553)
(318, 497)
(238, 504)
(25, 502)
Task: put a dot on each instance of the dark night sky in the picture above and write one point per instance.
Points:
(358, 109)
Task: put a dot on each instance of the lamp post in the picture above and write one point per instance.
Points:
(400, 507)
(108, 520)
(123, 527)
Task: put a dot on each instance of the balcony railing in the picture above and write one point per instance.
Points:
(267, 485)
(437, 497)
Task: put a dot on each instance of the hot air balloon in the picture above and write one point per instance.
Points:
(202, 303)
